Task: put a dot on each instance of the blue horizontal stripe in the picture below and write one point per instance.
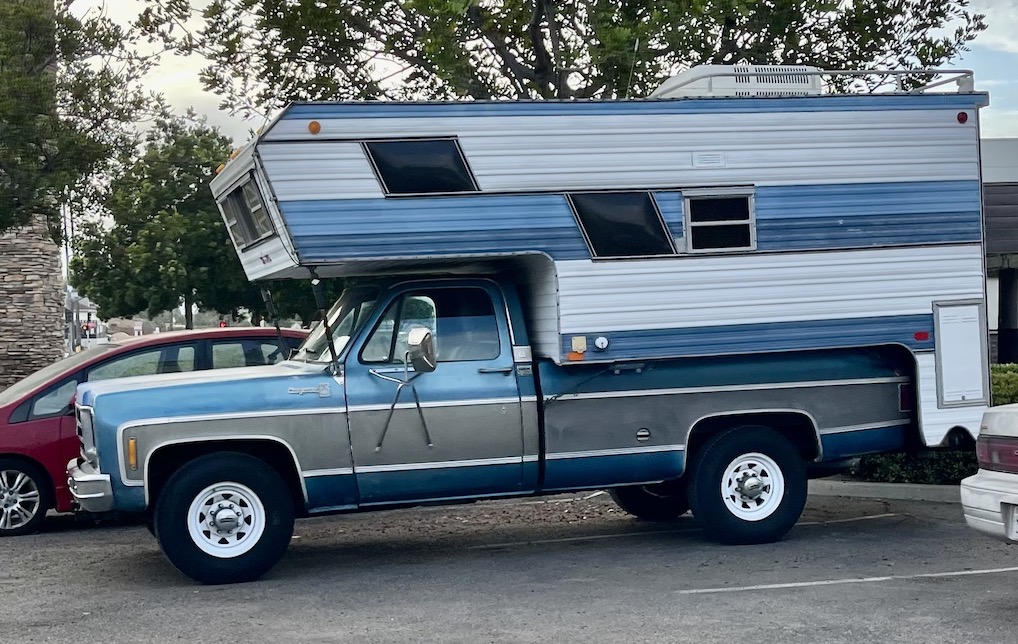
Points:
(462, 109)
(331, 491)
(597, 471)
(461, 225)
(866, 441)
(823, 217)
(411, 485)
(757, 338)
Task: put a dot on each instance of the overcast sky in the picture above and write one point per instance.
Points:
(994, 59)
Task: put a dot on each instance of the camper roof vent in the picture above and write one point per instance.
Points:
(742, 80)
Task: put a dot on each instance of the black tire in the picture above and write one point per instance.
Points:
(736, 519)
(257, 503)
(658, 502)
(26, 494)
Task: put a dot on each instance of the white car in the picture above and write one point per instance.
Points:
(990, 497)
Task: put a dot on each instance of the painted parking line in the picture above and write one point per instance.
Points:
(850, 580)
(598, 537)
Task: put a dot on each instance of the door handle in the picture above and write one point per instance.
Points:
(503, 370)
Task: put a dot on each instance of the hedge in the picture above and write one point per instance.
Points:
(946, 467)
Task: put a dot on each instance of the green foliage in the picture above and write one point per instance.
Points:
(265, 53)
(68, 98)
(936, 468)
(167, 244)
(942, 467)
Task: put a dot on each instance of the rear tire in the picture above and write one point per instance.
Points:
(25, 497)
(656, 502)
(224, 518)
(748, 485)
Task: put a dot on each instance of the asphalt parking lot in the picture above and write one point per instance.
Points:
(566, 569)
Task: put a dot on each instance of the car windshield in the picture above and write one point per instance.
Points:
(345, 318)
(46, 374)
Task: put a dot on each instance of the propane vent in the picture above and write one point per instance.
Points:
(742, 80)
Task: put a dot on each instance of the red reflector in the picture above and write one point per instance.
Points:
(963, 117)
(906, 397)
(997, 453)
(921, 336)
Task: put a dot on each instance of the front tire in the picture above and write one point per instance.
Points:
(224, 518)
(748, 485)
(657, 502)
(25, 496)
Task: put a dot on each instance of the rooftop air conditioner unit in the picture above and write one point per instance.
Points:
(742, 80)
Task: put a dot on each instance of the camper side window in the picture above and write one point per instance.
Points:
(245, 214)
(720, 222)
(621, 224)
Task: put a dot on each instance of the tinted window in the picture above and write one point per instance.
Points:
(247, 353)
(462, 321)
(169, 359)
(621, 224)
(717, 223)
(420, 167)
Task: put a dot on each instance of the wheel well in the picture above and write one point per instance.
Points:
(167, 460)
(797, 427)
(42, 468)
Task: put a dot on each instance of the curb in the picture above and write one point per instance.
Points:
(894, 491)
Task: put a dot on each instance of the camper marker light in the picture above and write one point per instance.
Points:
(314, 127)
(921, 336)
(220, 168)
(963, 117)
(132, 452)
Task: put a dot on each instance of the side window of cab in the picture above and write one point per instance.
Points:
(462, 321)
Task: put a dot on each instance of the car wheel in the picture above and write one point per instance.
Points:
(748, 485)
(25, 496)
(224, 518)
(657, 502)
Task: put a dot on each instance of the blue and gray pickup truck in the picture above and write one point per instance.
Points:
(664, 303)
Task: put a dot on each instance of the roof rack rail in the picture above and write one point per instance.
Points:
(770, 80)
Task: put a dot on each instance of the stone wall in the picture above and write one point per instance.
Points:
(31, 303)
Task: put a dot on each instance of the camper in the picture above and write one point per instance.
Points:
(695, 300)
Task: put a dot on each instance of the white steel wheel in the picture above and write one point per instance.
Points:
(747, 485)
(226, 519)
(752, 486)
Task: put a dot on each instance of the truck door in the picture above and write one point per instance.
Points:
(454, 432)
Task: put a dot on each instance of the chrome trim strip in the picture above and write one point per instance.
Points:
(622, 451)
(860, 428)
(632, 393)
(445, 403)
(531, 458)
(434, 465)
(335, 471)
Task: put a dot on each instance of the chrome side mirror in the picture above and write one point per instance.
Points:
(421, 349)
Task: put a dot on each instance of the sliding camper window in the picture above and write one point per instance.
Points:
(421, 166)
(245, 214)
(621, 224)
(720, 221)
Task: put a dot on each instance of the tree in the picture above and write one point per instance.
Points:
(69, 95)
(265, 53)
(167, 244)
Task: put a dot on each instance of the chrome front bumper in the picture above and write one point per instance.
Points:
(989, 500)
(90, 489)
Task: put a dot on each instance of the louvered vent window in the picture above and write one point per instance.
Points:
(245, 214)
(418, 167)
(621, 224)
(719, 221)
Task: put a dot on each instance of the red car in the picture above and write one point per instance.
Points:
(37, 430)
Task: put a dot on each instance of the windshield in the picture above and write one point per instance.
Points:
(48, 373)
(345, 317)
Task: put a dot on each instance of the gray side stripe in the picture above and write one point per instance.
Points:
(447, 403)
(705, 390)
